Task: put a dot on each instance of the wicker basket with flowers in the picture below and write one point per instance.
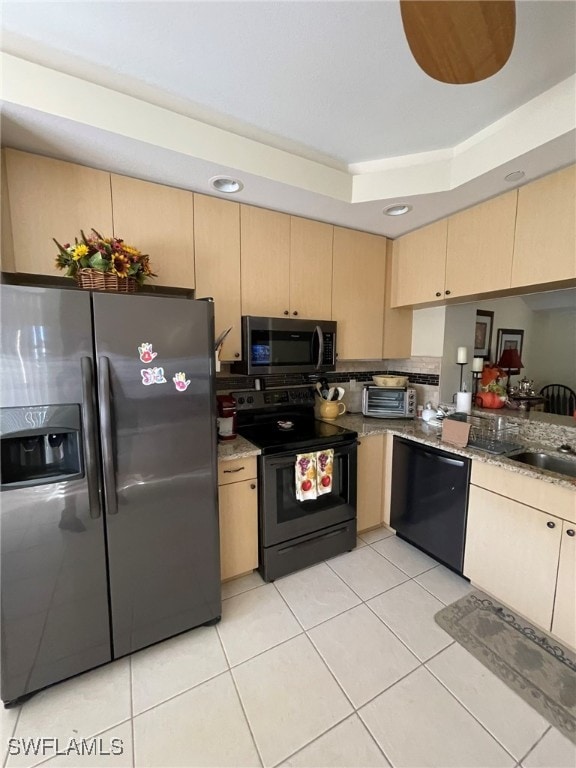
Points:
(104, 263)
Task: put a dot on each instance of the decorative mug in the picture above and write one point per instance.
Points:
(331, 409)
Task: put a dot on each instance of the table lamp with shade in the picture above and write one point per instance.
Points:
(510, 360)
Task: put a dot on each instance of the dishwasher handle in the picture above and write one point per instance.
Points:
(444, 459)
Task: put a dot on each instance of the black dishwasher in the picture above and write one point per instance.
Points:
(429, 500)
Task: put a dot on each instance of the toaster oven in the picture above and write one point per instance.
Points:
(389, 402)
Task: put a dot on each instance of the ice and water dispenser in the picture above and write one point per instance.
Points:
(40, 445)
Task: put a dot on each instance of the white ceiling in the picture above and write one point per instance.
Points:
(318, 107)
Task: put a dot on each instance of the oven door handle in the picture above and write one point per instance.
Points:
(287, 457)
(318, 332)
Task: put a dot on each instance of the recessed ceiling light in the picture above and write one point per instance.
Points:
(397, 210)
(514, 176)
(226, 184)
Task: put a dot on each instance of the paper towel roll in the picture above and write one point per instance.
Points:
(464, 402)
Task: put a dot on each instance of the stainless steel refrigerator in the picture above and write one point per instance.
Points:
(108, 504)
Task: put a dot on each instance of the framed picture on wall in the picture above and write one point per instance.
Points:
(509, 338)
(483, 334)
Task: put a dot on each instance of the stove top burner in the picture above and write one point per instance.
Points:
(305, 433)
(283, 420)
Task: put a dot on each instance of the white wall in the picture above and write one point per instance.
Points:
(548, 352)
(554, 349)
(428, 332)
(512, 312)
(458, 332)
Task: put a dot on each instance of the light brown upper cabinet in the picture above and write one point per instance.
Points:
(217, 256)
(310, 269)
(480, 246)
(397, 337)
(50, 198)
(358, 284)
(419, 266)
(265, 262)
(544, 248)
(159, 221)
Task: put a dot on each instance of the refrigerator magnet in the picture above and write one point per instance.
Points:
(152, 376)
(146, 352)
(181, 382)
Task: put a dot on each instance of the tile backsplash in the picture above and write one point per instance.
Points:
(423, 374)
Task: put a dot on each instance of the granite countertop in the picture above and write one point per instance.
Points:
(236, 449)
(421, 432)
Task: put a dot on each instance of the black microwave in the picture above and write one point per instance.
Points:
(282, 345)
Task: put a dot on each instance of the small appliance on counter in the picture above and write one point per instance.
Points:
(226, 417)
(389, 402)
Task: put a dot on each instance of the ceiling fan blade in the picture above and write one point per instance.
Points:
(459, 41)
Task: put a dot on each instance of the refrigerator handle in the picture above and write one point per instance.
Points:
(106, 434)
(89, 430)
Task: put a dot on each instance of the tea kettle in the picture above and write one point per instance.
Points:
(524, 387)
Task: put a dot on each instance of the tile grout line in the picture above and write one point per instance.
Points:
(356, 593)
(246, 720)
(304, 629)
(533, 747)
(12, 734)
(426, 570)
(355, 709)
(229, 670)
(132, 717)
(317, 738)
(398, 636)
(181, 693)
(484, 727)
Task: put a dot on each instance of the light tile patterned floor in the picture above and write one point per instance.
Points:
(338, 665)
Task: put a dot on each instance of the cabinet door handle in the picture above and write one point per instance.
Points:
(550, 524)
(286, 312)
(236, 354)
(252, 486)
(232, 471)
(570, 532)
(447, 293)
(438, 293)
(294, 313)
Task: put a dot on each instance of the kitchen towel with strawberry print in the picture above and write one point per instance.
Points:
(324, 467)
(305, 479)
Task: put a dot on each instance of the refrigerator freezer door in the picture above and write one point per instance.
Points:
(158, 435)
(55, 620)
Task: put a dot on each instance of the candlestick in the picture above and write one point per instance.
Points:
(476, 376)
(462, 357)
(478, 364)
(461, 375)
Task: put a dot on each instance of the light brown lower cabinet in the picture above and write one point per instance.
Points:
(370, 482)
(238, 508)
(564, 619)
(524, 557)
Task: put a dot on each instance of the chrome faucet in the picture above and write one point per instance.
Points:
(566, 449)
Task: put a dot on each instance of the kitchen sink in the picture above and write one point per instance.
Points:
(546, 461)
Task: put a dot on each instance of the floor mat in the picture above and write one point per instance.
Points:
(535, 665)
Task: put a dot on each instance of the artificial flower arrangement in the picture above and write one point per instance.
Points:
(492, 394)
(110, 255)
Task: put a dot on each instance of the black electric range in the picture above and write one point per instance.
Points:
(295, 534)
(283, 420)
